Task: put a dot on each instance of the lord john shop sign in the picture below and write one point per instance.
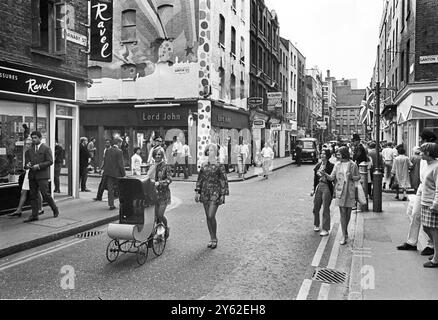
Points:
(19, 82)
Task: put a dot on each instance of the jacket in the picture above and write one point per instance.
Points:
(345, 190)
(328, 169)
(429, 191)
(114, 166)
(84, 155)
(43, 158)
(360, 155)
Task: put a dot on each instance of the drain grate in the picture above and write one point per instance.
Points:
(88, 234)
(329, 276)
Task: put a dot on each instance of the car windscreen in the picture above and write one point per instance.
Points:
(308, 145)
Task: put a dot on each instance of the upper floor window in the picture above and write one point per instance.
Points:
(129, 26)
(242, 49)
(222, 30)
(242, 89)
(233, 87)
(48, 24)
(233, 40)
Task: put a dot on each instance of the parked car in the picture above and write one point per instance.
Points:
(310, 150)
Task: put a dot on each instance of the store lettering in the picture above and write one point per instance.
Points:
(429, 102)
(35, 87)
(100, 9)
(159, 117)
(223, 119)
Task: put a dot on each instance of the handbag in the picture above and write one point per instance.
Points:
(393, 185)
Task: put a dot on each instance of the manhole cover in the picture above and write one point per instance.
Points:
(88, 234)
(329, 276)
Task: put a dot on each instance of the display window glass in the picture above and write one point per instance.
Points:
(16, 124)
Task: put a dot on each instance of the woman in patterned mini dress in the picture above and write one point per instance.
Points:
(211, 189)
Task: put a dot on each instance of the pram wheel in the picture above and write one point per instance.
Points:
(112, 251)
(142, 253)
(158, 243)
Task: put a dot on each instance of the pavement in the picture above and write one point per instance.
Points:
(79, 215)
(378, 270)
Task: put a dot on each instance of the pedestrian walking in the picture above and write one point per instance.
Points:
(92, 153)
(359, 152)
(345, 175)
(211, 189)
(414, 174)
(388, 155)
(298, 151)
(136, 162)
(24, 183)
(186, 156)
(103, 185)
(415, 206)
(429, 199)
(38, 160)
(267, 155)
(161, 175)
(323, 193)
(400, 172)
(59, 161)
(114, 169)
(157, 143)
(241, 152)
(177, 152)
(84, 160)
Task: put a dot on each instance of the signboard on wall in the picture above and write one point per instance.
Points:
(275, 100)
(101, 42)
(428, 59)
(259, 124)
(255, 102)
(76, 37)
(276, 127)
(35, 85)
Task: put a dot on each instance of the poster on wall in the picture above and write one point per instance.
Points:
(101, 42)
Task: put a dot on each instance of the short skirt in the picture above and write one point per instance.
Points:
(25, 185)
(428, 219)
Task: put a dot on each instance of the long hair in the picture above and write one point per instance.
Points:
(345, 153)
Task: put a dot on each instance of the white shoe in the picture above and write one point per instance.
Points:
(343, 241)
(324, 233)
(316, 229)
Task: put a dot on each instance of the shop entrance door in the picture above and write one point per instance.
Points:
(63, 158)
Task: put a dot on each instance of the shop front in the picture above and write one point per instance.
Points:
(193, 122)
(259, 123)
(31, 99)
(417, 111)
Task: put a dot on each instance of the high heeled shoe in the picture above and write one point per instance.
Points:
(15, 215)
(214, 244)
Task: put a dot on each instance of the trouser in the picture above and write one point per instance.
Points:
(323, 197)
(111, 183)
(93, 163)
(298, 161)
(83, 175)
(102, 186)
(57, 174)
(388, 169)
(189, 173)
(415, 226)
(41, 186)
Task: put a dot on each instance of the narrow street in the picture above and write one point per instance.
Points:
(266, 245)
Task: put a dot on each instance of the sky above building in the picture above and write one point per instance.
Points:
(340, 35)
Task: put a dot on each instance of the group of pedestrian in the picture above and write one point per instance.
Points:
(35, 182)
(423, 209)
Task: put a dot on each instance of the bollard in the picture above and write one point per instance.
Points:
(363, 171)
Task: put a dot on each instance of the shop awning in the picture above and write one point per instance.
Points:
(417, 113)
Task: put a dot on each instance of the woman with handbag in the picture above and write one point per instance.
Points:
(323, 192)
(211, 189)
(267, 155)
(345, 175)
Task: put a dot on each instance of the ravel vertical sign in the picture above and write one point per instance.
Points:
(101, 42)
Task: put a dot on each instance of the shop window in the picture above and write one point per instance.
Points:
(129, 27)
(48, 24)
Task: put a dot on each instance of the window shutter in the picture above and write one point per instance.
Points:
(36, 37)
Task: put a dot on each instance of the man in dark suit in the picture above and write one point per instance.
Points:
(39, 159)
(359, 153)
(114, 169)
(84, 160)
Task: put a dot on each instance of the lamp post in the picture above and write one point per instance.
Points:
(378, 175)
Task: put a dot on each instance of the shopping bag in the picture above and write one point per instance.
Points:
(361, 198)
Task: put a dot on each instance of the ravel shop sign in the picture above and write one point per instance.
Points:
(275, 100)
(222, 118)
(101, 42)
(35, 85)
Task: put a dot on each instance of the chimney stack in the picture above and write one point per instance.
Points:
(328, 73)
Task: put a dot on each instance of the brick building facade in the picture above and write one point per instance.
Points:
(43, 81)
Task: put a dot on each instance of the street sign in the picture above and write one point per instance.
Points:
(291, 116)
(76, 38)
(276, 127)
(275, 100)
(428, 59)
(255, 102)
